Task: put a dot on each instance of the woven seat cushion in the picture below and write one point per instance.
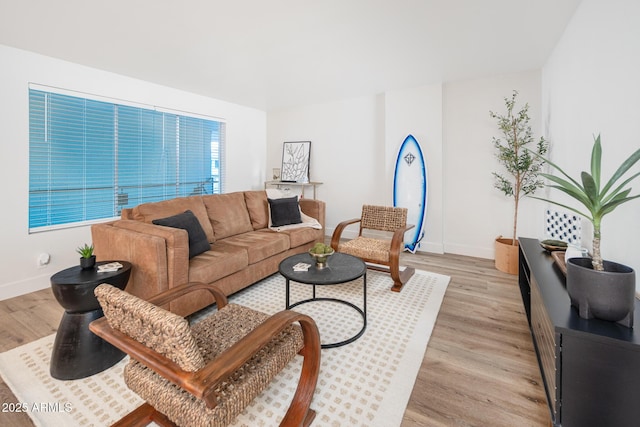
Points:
(213, 335)
(367, 248)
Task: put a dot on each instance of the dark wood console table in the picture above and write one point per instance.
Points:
(590, 368)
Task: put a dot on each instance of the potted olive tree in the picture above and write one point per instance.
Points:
(596, 287)
(520, 176)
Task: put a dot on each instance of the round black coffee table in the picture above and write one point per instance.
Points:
(341, 268)
(77, 352)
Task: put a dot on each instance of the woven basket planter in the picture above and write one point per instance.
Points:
(506, 255)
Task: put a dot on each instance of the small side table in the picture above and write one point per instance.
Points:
(77, 352)
(287, 185)
(341, 268)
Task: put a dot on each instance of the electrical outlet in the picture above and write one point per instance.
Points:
(43, 260)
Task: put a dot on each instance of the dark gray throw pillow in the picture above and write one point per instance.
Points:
(284, 211)
(187, 221)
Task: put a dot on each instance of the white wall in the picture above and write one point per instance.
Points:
(347, 151)
(475, 213)
(591, 86)
(354, 145)
(246, 129)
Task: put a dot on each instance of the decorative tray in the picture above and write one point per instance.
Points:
(553, 245)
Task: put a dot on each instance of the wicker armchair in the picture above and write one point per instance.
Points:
(205, 374)
(379, 253)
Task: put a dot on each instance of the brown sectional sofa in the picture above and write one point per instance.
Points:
(243, 250)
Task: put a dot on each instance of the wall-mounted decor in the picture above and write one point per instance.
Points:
(563, 225)
(295, 161)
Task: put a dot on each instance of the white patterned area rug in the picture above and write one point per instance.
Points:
(365, 383)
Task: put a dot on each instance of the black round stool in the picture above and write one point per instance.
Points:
(77, 352)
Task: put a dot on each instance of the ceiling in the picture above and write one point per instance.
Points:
(280, 53)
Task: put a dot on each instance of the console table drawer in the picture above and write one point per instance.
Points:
(545, 340)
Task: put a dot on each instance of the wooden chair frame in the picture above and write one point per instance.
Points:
(397, 246)
(203, 382)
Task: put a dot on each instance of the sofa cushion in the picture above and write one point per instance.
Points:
(260, 244)
(258, 208)
(301, 236)
(284, 211)
(187, 221)
(221, 261)
(227, 214)
(147, 212)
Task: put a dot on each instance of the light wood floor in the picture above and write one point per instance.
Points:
(479, 368)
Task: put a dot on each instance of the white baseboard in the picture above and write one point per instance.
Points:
(474, 251)
(431, 247)
(14, 289)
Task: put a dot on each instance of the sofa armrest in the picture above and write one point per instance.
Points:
(315, 209)
(159, 255)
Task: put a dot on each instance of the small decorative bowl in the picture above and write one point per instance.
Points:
(321, 259)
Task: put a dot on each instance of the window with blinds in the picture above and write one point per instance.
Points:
(89, 158)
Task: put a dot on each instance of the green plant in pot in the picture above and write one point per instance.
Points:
(87, 258)
(598, 288)
(521, 169)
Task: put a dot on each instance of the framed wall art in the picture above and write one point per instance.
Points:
(295, 161)
(276, 174)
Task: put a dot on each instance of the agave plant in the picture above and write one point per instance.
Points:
(598, 201)
(85, 251)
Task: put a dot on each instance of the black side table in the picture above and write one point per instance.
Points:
(77, 352)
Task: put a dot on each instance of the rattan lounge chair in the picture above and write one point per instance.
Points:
(379, 252)
(205, 374)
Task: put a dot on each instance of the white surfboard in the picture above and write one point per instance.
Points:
(410, 189)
